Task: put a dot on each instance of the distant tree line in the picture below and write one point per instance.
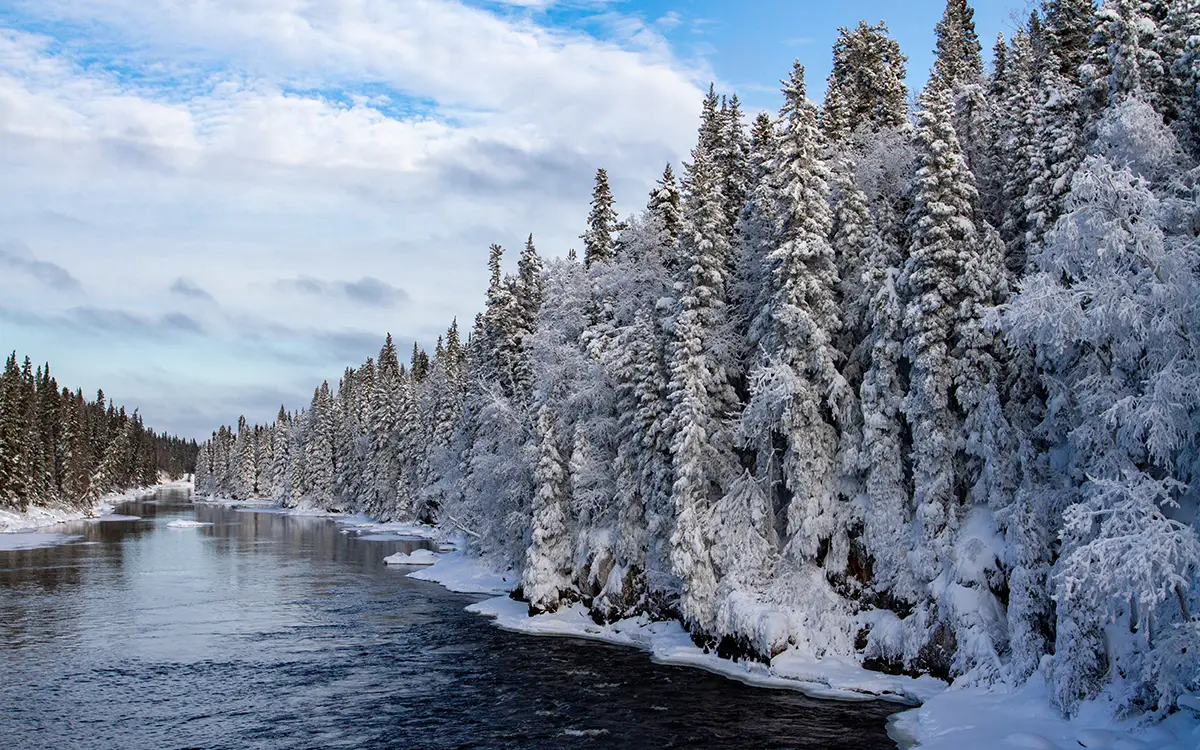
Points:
(57, 449)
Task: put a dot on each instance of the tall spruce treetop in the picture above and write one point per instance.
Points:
(758, 230)
(866, 87)
(664, 206)
(1068, 28)
(731, 158)
(959, 55)
(598, 245)
(389, 363)
(804, 267)
(999, 81)
(711, 123)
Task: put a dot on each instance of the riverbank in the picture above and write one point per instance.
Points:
(37, 517)
(945, 717)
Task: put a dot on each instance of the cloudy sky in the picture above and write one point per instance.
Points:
(209, 206)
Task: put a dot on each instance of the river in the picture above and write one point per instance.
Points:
(266, 630)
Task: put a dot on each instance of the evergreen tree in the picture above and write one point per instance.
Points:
(959, 58)
(701, 397)
(731, 160)
(598, 245)
(664, 206)
(548, 560)
(1069, 27)
(801, 374)
(866, 88)
(945, 284)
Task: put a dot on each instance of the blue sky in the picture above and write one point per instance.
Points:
(209, 206)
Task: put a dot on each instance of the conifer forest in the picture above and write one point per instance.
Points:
(60, 450)
(909, 379)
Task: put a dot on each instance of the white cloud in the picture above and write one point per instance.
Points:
(225, 177)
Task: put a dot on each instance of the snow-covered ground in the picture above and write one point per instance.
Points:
(981, 719)
(465, 575)
(668, 643)
(947, 719)
(40, 518)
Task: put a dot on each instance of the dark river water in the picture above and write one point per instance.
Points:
(273, 631)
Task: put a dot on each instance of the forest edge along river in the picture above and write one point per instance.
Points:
(263, 629)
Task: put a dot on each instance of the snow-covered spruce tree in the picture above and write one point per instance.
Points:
(319, 466)
(731, 159)
(1069, 26)
(346, 429)
(866, 87)
(297, 475)
(243, 461)
(959, 58)
(798, 378)
(383, 461)
(757, 234)
(702, 399)
(1058, 150)
(602, 222)
(1111, 307)
(109, 475)
(446, 388)
(883, 456)
(203, 473)
(854, 239)
(947, 281)
(664, 206)
(1016, 125)
(281, 457)
(1124, 55)
(1183, 74)
(548, 568)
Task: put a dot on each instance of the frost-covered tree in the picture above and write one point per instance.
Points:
(548, 560)
(664, 206)
(947, 282)
(866, 87)
(602, 222)
(799, 378)
(958, 58)
(1109, 307)
(702, 399)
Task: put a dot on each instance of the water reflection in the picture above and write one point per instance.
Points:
(268, 630)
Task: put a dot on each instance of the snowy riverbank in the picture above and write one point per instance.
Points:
(669, 643)
(946, 719)
(37, 517)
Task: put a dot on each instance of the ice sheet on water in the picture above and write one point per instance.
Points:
(185, 523)
(113, 517)
(33, 540)
(416, 557)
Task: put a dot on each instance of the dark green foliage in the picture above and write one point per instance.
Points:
(58, 449)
